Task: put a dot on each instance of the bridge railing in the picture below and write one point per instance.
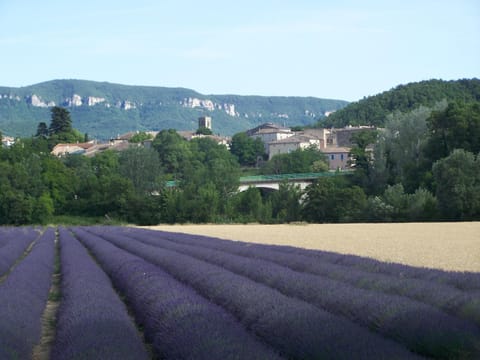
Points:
(279, 177)
(297, 176)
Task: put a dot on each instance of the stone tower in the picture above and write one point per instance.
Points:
(205, 122)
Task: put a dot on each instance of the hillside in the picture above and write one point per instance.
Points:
(104, 110)
(374, 109)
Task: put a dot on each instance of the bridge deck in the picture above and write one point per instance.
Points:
(277, 178)
(288, 177)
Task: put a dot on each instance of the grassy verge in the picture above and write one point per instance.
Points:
(83, 221)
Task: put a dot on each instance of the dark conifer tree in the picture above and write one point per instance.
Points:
(42, 130)
(61, 121)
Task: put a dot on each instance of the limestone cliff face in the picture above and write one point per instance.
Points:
(123, 108)
(10, 97)
(126, 105)
(74, 100)
(198, 103)
(209, 105)
(230, 109)
(37, 101)
(92, 100)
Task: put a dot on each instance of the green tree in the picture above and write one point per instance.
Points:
(456, 127)
(43, 209)
(174, 152)
(16, 207)
(399, 154)
(105, 164)
(298, 161)
(333, 200)
(210, 178)
(202, 130)
(286, 203)
(113, 196)
(145, 210)
(373, 110)
(397, 205)
(142, 166)
(60, 182)
(246, 149)
(248, 206)
(42, 130)
(214, 163)
(362, 157)
(61, 121)
(140, 137)
(422, 206)
(457, 180)
(61, 130)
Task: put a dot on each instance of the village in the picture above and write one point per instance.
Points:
(277, 139)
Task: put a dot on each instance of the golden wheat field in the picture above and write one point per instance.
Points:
(447, 246)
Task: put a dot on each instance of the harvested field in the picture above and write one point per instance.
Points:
(446, 246)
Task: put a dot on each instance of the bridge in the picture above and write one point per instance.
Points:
(272, 182)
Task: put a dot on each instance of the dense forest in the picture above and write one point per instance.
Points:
(373, 110)
(424, 166)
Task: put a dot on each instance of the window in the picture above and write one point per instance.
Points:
(341, 157)
(332, 157)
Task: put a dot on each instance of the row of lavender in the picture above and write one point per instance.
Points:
(459, 297)
(467, 281)
(435, 319)
(295, 328)
(13, 242)
(198, 297)
(92, 321)
(24, 293)
(176, 320)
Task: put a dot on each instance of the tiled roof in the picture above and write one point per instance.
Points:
(295, 139)
(267, 128)
(335, 150)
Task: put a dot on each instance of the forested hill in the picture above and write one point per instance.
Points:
(104, 110)
(374, 109)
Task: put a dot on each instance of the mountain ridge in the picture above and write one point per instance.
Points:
(104, 109)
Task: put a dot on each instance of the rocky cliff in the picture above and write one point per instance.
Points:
(104, 109)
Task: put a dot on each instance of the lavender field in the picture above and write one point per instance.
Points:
(130, 293)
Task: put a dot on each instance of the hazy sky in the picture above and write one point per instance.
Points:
(331, 49)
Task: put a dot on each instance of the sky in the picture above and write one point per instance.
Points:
(342, 49)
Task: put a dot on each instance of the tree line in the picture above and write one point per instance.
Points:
(425, 166)
(373, 110)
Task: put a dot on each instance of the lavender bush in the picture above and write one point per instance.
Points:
(23, 296)
(420, 327)
(465, 281)
(92, 321)
(14, 241)
(180, 323)
(297, 329)
(464, 304)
